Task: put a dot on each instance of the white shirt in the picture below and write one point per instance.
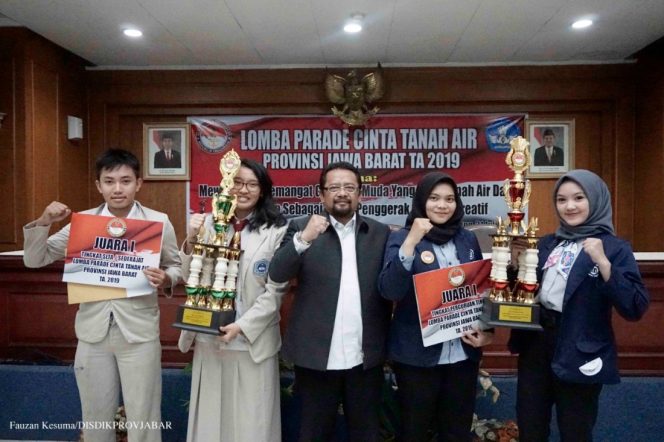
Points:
(346, 346)
(556, 270)
(132, 212)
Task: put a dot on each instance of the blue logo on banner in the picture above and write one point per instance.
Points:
(500, 132)
(260, 268)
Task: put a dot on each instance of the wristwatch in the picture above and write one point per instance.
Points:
(298, 238)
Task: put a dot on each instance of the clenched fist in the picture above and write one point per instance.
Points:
(53, 213)
(317, 224)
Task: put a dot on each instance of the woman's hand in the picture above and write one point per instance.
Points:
(229, 332)
(595, 249)
(418, 230)
(195, 223)
(477, 338)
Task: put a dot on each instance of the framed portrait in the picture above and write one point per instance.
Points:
(166, 154)
(551, 147)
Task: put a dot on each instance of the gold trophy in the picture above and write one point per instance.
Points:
(512, 303)
(211, 286)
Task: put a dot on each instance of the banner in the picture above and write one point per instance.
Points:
(449, 300)
(112, 252)
(392, 152)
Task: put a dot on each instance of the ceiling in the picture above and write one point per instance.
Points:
(302, 33)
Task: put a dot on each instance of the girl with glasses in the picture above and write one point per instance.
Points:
(235, 377)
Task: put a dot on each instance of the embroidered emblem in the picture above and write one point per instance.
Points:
(456, 276)
(471, 255)
(260, 267)
(594, 272)
(427, 257)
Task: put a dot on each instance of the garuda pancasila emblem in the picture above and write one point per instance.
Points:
(355, 95)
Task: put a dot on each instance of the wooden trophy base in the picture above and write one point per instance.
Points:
(511, 314)
(203, 320)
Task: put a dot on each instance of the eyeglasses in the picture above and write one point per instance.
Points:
(252, 186)
(349, 188)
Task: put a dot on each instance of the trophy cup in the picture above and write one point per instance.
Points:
(512, 303)
(211, 286)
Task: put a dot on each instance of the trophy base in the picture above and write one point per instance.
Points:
(203, 320)
(511, 314)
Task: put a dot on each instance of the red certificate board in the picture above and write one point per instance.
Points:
(450, 300)
(111, 253)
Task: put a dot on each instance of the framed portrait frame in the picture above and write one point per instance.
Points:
(558, 136)
(164, 159)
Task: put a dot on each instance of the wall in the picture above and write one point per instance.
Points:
(42, 84)
(599, 98)
(617, 110)
(649, 148)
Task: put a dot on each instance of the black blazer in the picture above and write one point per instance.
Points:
(557, 157)
(396, 284)
(318, 270)
(161, 162)
(585, 332)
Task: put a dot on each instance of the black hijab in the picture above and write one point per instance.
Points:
(440, 233)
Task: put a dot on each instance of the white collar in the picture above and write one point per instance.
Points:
(132, 212)
(340, 226)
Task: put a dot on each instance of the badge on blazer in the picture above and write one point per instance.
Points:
(594, 273)
(427, 257)
(260, 267)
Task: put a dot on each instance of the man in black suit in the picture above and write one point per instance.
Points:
(338, 324)
(167, 157)
(548, 154)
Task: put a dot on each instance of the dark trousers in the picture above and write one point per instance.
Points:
(538, 389)
(321, 392)
(441, 398)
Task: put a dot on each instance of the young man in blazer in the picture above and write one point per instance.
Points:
(118, 340)
(336, 335)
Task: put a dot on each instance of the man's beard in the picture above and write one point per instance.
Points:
(341, 213)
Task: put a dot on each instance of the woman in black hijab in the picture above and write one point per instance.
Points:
(436, 383)
(584, 272)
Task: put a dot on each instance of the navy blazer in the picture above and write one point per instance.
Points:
(396, 284)
(585, 332)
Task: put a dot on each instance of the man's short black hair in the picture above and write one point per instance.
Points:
(548, 132)
(167, 134)
(340, 165)
(113, 158)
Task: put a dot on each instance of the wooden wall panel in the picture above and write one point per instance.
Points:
(649, 151)
(44, 140)
(8, 149)
(44, 85)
